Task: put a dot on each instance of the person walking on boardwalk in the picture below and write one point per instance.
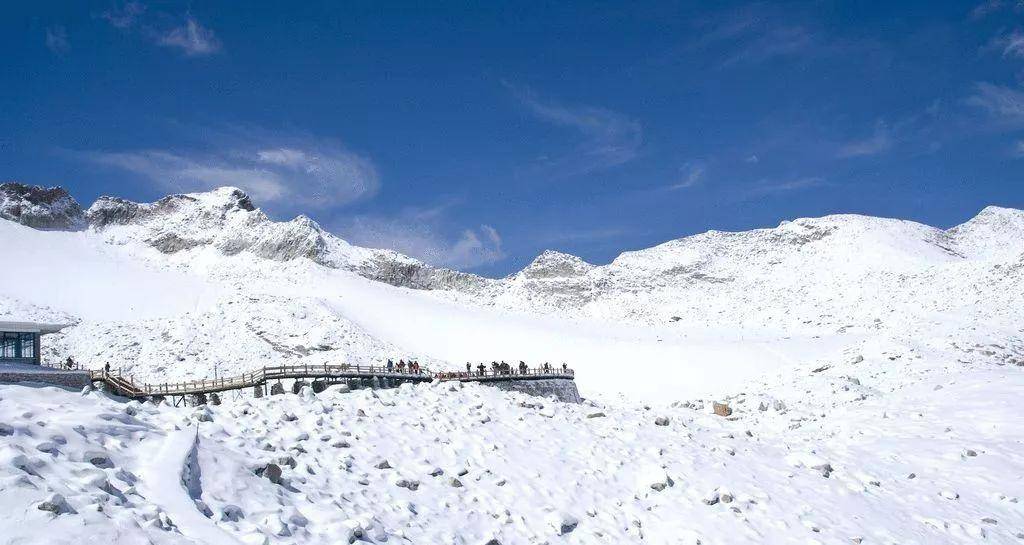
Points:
(391, 366)
(522, 367)
(106, 368)
(70, 363)
(469, 368)
(481, 369)
(565, 367)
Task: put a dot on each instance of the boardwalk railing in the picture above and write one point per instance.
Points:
(125, 385)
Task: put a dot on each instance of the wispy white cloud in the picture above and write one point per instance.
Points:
(192, 38)
(879, 142)
(691, 174)
(753, 33)
(608, 138)
(988, 7)
(309, 173)
(125, 15)
(1018, 149)
(424, 233)
(184, 33)
(1010, 44)
(57, 40)
(767, 187)
(1004, 104)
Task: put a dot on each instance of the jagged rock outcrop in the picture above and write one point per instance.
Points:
(227, 220)
(224, 218)
(44, 208)
(552, 264)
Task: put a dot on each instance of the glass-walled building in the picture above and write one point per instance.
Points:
(19, 341)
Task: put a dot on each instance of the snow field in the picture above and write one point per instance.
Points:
(452, 463)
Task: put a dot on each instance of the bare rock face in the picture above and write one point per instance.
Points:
(47, 209)
(395, 269)
(722, 409)
(552, 264)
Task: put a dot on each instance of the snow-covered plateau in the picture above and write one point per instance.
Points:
(867, 373)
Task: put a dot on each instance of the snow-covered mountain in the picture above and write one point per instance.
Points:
(190, 283)
(871, 367)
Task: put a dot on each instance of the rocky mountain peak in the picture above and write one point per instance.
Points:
(44, 208)
(553, 264)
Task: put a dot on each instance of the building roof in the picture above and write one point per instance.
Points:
(31, 327)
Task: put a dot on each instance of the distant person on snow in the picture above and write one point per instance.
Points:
(106, 368)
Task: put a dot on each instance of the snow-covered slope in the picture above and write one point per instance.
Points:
(937, 463)
(202, 283)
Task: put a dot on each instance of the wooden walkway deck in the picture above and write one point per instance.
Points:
(330, 374)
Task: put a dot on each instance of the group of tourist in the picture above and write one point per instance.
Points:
(481, 369)
(503, 368)
(412, 367)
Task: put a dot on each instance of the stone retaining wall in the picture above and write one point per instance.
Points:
(563, 389)
(65, 379)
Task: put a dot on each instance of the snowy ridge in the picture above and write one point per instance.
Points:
(226, 220)
(40, 208)
(829, 271)
(207, 282)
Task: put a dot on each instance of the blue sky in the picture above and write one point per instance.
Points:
(478, 136)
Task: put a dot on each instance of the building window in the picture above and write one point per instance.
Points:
(28, 345)
(9, 346)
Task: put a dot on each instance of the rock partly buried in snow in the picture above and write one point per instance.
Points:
(563, 523)
(232, 513)
(811, 461)
(722, 409)
(655, 478)
(271, 472)
(55, 504)
(47, 209)
(661, 421)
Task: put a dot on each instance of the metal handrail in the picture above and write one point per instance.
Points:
(261, 376)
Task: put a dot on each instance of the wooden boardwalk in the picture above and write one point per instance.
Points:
(326, 374)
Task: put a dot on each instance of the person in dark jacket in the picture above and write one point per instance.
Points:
(469, 368)
(391, 366)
